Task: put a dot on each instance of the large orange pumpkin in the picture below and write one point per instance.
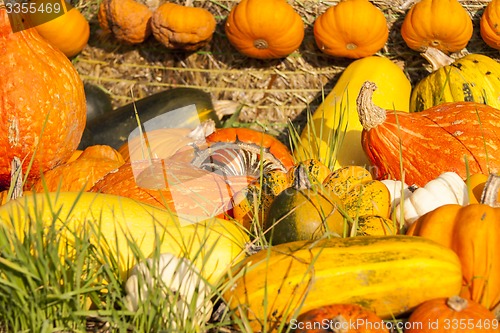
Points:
(42, 101)
(430, 142)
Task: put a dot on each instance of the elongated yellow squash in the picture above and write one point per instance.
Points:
(389, 275)
(112, 222)
(337, 115)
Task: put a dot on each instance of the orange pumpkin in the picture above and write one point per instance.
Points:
(264, 29)
(442, 24)
(490, 24)
(182, 27)
(345, 318)
(352, 29)
(179, 186)
(430, 142)
(452, 315)
(42, 101)
(69, 32)
(473, 233)
(83, 172)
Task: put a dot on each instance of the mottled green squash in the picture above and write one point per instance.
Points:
(304, 211)
(472, 78)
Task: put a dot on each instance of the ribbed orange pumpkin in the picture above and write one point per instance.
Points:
(431, 142)
(42, 101)
(264, 29)
(490, 24)
(442, 24)
(452, 315)
(83, 172)
(473, 232)
(352, 29)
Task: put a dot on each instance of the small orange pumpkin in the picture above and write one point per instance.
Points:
(264, 29)
(81, 173)
(351, 29)
(345, 318)
(126, 20)
(69, 32)
(452, 315)
(182, 27)
(490, 24)
(442, 24)
(42, 103)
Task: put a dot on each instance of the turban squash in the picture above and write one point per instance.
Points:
(440, 139)
(42, 101)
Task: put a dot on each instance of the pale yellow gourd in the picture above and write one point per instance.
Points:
(337, 115)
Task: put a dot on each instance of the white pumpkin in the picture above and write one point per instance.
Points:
(397, 189)
(180, 285)
(448, 188)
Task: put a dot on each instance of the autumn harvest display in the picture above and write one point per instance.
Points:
(183, 207)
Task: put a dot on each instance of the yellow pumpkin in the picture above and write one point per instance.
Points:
(351, 29)
(333, 134)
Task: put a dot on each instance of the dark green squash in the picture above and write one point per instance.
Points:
(173, 108)
(98, 102)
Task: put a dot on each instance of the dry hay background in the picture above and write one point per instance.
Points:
(272, 93)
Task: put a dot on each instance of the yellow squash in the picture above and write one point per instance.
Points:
(113, 221)
(389, 275)
(337, 115)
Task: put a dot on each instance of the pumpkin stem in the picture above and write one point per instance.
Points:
(260, 44)
(370, 115)
(491, 189)
(436, 58)
(457, 303)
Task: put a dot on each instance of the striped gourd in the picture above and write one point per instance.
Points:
(389, 275)
(472, 78)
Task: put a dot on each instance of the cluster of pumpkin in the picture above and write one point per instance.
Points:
(271, 29)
